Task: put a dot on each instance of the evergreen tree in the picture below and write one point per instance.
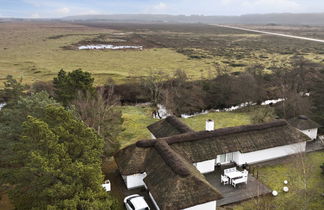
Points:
(60, 164)
(12, 90)
(67, 85)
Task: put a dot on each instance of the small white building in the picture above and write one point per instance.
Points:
(305, 125)
(170, 167)
(107, 185)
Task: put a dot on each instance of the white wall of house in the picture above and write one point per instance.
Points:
(271, 153)
(135, 180)
(152, 136)
(311, 133)
(154, 202)
(205, 166)
(205, 206)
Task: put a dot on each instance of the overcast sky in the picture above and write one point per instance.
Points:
(62, 8)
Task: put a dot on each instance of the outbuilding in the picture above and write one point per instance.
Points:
(305, 125)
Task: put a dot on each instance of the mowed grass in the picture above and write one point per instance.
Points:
(221, 119)
(137, 118)
(291, 170)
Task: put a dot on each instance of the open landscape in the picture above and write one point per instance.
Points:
(37, 50)
(124, 110)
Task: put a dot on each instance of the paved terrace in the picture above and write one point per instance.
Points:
(242, 191)
(231, 195)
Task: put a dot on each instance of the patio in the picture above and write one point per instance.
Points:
(242, 192)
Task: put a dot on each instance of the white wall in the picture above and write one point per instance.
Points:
(154, 202)
(272, 153)
(135, 180)
(312, 133)
(205, 166)
(205, 206)
(152, 136)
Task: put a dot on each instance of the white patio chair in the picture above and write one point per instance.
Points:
(224, 179)
(226, 171)
(245, 173)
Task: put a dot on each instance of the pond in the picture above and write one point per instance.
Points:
(109, 46)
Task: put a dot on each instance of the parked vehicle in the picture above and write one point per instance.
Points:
(135, 202)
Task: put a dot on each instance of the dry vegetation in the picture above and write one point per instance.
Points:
(38, 50)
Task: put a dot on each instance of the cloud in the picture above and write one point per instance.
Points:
(263, 6)
(63, 11)
(160, 6)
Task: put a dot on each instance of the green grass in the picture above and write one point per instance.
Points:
(221, 119)
(137, 118)
(26, 52)
(291, 170)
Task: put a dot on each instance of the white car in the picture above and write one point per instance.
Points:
(135, 202)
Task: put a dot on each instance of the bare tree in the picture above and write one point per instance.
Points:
(99, 111)
(154, 83)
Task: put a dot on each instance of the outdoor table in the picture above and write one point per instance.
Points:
(234, 175)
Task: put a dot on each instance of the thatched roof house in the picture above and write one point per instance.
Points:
(174, 182)
(302, 122)
(170, 176)
(306, 125)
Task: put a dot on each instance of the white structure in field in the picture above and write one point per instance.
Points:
(177, 154)
(305, 125)
(107, 185)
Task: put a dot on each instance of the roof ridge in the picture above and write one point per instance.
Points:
(187, 137)
(171, 158)
(193, 136)
(182, 127)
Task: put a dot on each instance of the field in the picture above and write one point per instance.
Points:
(291, 169)
(38, 50)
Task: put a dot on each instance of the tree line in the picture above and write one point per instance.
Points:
(299, 81)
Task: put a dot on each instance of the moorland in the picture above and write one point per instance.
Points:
(37, 50)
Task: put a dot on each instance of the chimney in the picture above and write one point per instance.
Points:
(209, 125)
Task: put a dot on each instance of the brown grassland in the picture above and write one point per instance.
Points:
(38, 50)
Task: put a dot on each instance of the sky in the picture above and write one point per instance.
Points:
(63, 8)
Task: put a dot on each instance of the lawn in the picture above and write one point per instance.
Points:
(137, 118)
(306, 183)
(221, 119)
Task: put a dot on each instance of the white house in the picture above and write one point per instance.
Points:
(170, 167)
(305, 125)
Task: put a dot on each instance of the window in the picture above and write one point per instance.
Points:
(222, 158)
(130, 204)
(226, 158)
(229, 157)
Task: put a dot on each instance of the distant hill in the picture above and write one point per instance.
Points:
(280, 19)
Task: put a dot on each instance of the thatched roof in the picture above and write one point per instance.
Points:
(205, 145)
(172, 179)
(302, 122)
(130, 160)
(174, 189)
(168, 127)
